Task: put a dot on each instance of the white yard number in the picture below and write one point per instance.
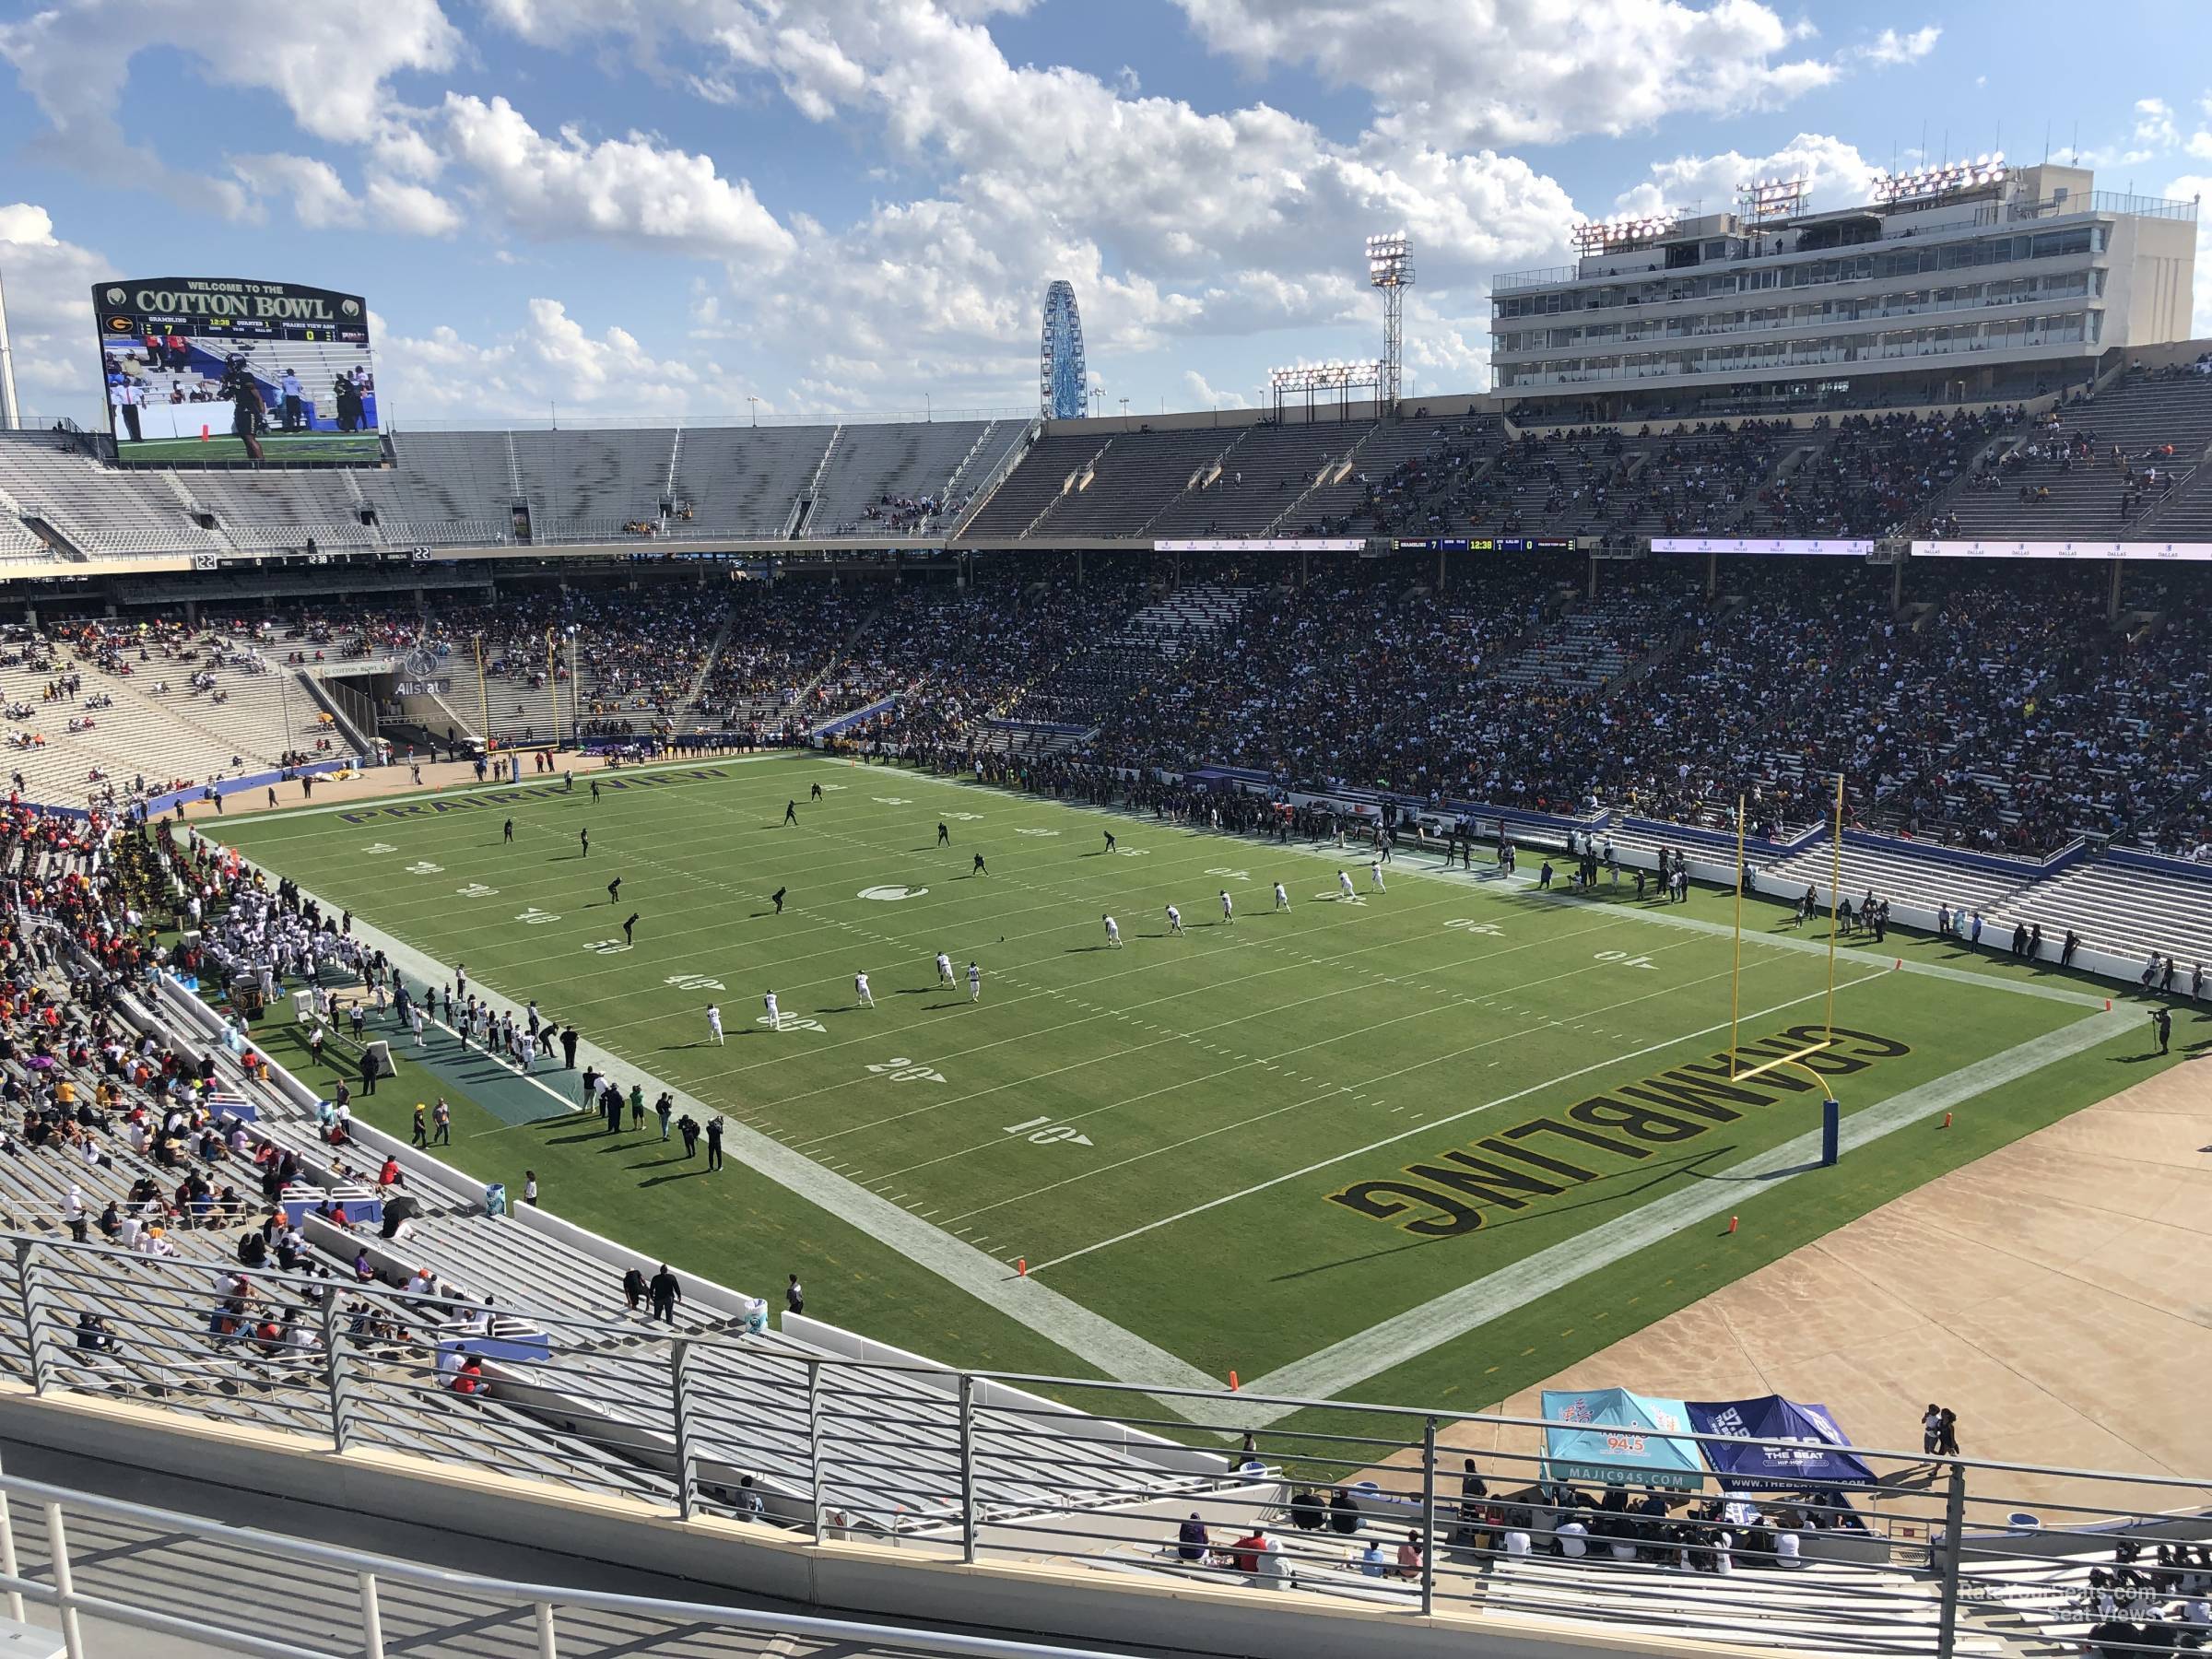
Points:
(477, 890)
(426, 868)
(903, 1070)
(1036, 831)
(1625, 960)
(1231, 875)
(1045, 1132)
(890, 800)
(1134, 851)
(693, 981)
(1488, 930)
(963, 817)
(534, 917)
(792, 1022)
(376, 847)
(829, 785)
(606, 946)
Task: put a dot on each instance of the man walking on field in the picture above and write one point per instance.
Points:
(714, 1021)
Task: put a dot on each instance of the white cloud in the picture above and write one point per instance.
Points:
(1836, 175)
(318, 197)
(412, 209)
(2154, 124)
(328, 62)
(551, 359)
(51, 330)
(1890, 48)
(1515, 71)
(630, 189)
(1172, 221)
(1205, 395)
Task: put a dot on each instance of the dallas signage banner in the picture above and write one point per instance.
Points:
(1722, 544)
(1489, 544)
(202, 368)
(2191, 552)
(1310, 544)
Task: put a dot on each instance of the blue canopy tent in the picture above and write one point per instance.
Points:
(1817, 1452)
(1613, 1437)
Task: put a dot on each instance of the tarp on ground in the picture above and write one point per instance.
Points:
(1610, 1436)
(1816, 1451)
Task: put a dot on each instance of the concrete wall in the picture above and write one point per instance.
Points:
(2150, 294)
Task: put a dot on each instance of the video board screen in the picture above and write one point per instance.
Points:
(220, 368)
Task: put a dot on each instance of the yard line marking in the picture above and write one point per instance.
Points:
(1328, 1090)
(1032, 1036)
(1264, 1064)
(1403, 1336)
(1387, 1140)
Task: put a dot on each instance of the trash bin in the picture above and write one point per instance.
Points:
(495, 1198)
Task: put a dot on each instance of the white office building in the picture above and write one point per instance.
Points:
(1961, 284)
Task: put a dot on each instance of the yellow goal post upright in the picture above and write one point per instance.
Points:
(1794, 1059)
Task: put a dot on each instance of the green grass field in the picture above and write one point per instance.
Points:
(336, 448)
(1427, 1144)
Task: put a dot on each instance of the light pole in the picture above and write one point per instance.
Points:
(1389, 269)
(926, 415)
(755, 409)
(1124, 408)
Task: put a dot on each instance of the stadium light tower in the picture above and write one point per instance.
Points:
(1389, 269)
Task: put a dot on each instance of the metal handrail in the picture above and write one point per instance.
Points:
(368, 1568)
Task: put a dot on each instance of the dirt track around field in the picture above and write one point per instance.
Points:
(379, 782)
(2056, 1294)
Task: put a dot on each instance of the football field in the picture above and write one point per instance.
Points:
(1427, 1142)
(353, 449)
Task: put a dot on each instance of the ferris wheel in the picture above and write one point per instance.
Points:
(1060, 374)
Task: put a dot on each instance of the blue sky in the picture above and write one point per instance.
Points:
(666, 208)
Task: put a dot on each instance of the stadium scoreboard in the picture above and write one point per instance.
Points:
(213, 310)
(206, 368)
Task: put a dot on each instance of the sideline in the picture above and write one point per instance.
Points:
(1392, 1342)
(439, 793)
(1488, 881)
